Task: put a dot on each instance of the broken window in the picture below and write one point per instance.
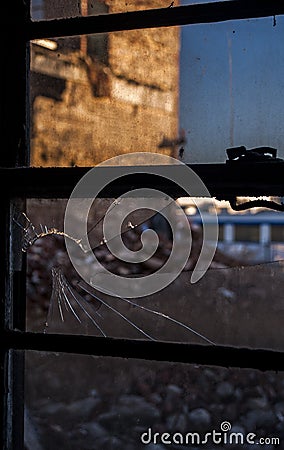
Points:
(59, 300)
(113, 349)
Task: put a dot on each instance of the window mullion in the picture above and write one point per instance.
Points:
(14, 102)
(222, 180)
(201, 354)
(181, 15)
(15, 152)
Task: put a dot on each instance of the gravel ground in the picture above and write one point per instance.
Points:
(109, 403)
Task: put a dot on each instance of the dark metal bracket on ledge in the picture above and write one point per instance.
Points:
(258, 203)
(260, 155)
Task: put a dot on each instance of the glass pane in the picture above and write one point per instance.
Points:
(245, 305)
(121, 404)
(231, 87)
(277, 233)
(249, 233)
(97, 96)
(158, 90)
(51, 9)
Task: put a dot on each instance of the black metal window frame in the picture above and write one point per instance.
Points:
(22, 182)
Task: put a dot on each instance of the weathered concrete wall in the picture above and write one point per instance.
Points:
(128, 106)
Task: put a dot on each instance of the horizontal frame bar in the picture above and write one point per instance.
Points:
(220, 356)
(223, 181)
(164, 17)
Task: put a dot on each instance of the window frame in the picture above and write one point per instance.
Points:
(223, 181)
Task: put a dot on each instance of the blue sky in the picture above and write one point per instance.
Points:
(232, 87)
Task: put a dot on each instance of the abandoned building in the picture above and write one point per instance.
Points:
(97, 96)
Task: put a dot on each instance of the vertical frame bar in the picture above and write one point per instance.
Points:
(14, 95)
(14, 126)
(4, 306)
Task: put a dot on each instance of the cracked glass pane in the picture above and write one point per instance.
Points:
(239, 300)
(115, 403)
(189, 92)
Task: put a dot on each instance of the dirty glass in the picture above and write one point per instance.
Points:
(98, 96)
(51, 9)
(121, 404)
(238, 301)
(188, 92)
(231, 86)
